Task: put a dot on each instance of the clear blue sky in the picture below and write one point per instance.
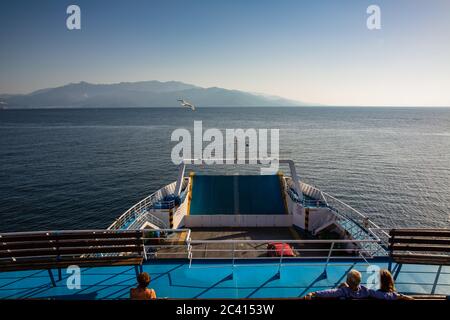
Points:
(314, 51)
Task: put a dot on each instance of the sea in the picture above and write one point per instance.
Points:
(82, 168)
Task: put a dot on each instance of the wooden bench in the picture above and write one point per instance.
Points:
(420, 246)
(61, 249)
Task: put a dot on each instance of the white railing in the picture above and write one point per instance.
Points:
(368, 239)
(320, 251)
(316, 195)
(355, 222)
(167, 243)
(143, 208)
(358, 225)
(135, 212)
(147, 217)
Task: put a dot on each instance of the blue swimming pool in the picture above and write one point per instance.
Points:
(219, 279)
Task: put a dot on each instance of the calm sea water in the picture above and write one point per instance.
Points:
(67, 169)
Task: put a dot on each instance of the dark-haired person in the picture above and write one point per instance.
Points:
(141, 292)
(387, 288)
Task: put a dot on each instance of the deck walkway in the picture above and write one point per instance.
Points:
(217, 279)
(224, 250)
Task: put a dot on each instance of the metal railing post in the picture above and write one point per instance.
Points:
(190, 255)
(189, 247)
(281, 260)
(328, 258)
(145, 249)
(233, 252)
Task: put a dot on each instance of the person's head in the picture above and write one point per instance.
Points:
(386, 281)
(353, 279)
(143, 279)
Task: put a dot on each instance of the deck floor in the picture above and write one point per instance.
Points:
(217, 279)
(241, 234)
(242, 250)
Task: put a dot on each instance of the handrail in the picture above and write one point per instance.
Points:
(151, 249)
(142, 207)
(144, 203)
(349, 207)
(360, 226)
(189, 243)
(325, 254)
(287, 241)
(368, 223)
(363, 231)
(139, 209)
(147, 217)
(326, 195)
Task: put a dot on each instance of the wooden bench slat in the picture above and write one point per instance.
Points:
(17, 237)
(64, 251)
(52, 259)
(68, 243)
(27, 265)
(414, 247)
(421, 259)
(77, 258)
(420, 240)
(50, 250)
(438, 262)
(420, 232)
(406, 245)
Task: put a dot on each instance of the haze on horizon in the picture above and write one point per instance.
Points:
(312, 51)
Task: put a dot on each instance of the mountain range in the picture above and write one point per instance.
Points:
(139, 94)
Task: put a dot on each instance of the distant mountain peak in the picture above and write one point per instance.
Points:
(151, 93)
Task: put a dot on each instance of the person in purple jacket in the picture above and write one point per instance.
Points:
(352, 289)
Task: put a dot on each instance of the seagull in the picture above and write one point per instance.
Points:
(184, 103)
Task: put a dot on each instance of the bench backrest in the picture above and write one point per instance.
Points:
(71, 244)
(431, 246)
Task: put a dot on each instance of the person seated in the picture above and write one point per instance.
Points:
(141, 292)
(351, 289)
(387, 288)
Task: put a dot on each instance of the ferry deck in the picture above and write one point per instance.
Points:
(219, 279)
(214, 237)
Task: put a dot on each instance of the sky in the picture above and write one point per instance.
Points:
(314, 51)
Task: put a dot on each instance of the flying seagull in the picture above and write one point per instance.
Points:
(184, 103)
